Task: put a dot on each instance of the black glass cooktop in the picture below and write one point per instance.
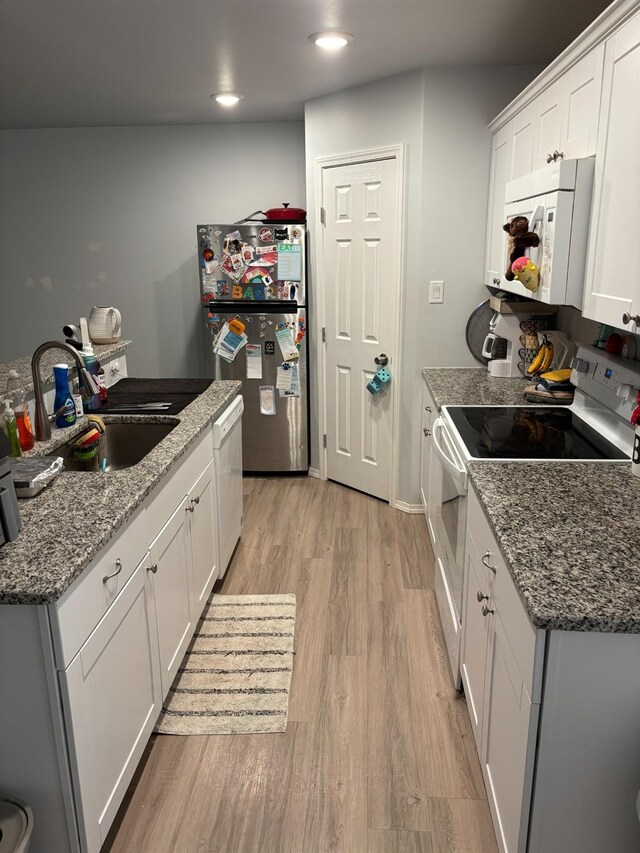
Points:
(529, 432)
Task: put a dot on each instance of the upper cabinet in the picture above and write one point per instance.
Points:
(612, 287)
(560, 122)
(501, 153)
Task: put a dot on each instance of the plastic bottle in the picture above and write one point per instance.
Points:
(77, 397)
(90, 403)
(12, 429)
(102, 383)
(67, 417)
(20, 405)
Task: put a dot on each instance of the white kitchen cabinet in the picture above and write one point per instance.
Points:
(547, 123)
(524, 128)
(501, 665)
(475, 638)
(111, 698)
(171, 589)
(510, 722)
(501, 155)
(201, 506)
(612, 287)
(581, 89)
(429, 413)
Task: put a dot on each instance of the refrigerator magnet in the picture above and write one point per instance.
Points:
(258, 292)
(236, 293)
(248, 293)
(269, 347)
(267, 400)
(233, 235)
(266, 235)
(247, 253)
(207, 254)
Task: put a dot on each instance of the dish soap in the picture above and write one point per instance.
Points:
(20, 405)
(64, 400)
(12, 429)
(90, 403)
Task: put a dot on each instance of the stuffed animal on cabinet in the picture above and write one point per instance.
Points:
(519, 239)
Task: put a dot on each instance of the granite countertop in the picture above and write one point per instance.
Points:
(472, 386)
(68, 523)
(568, 532)
(23, 364)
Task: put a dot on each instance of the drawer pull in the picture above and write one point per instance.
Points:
(486, 563)
(481, 597)
(427, 409)
(196, 500)
(486, 610)
(628, 318)
(426, 431)
(153, 568)
(190, 508)
(113, 574)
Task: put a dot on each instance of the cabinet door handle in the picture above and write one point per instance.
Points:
(113, 574)
(426, 431)
(486, 563)
(153, 568)
(196, 500)
(190, 508)
(427, 409)
(496, 281)
(486, 610)
(481, 597)
(549, 158)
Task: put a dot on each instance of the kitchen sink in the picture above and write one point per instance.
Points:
(123, 445)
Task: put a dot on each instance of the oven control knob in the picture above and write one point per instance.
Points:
(579, 365)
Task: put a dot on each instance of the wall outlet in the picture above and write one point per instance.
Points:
(436, 291)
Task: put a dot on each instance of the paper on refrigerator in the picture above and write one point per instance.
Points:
(283, 377)
(267, 400)
(254, 361)
(227, 344)
(287, 345)
(294, 383)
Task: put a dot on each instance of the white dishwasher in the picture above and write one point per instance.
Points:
(227, 452)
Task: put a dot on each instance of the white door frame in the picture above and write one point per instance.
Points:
(387, 152)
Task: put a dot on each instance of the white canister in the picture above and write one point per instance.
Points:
(105, 325)
(635, 454)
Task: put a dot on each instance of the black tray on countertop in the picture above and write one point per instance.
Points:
(132, 390)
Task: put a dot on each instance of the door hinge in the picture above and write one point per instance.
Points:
(323, 216)
(324, 440)
(324, 335)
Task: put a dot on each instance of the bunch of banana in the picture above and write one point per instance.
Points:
(543, 359)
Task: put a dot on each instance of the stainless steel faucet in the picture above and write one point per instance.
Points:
(43, 420)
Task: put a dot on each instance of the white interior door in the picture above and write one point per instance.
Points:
(361, 259)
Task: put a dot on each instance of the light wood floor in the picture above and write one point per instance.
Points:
(378, 756)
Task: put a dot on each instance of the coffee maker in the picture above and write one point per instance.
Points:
(502, 344)
(10, 523)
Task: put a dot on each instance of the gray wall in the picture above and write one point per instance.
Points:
(107, 216)
(441, 115)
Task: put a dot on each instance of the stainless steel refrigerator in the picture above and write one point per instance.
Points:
(256, 272)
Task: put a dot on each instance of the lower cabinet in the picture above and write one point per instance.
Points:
(114, 687)
(111, 697)
(201, 512)
(501, 672)
(171, 590)
(429, 413)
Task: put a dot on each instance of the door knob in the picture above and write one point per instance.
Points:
(382, 360)
(631, 318)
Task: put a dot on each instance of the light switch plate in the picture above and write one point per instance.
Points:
(436, 292)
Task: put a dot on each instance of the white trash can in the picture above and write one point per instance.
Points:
(16, 825)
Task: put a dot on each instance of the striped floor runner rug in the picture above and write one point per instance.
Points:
(236, 675)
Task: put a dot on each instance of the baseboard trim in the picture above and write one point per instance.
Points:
(412, 509)
(314, 472)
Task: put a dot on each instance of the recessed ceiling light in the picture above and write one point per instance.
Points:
(227, 99)
(331, 40)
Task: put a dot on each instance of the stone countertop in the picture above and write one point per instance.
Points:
(70, 521)
(568, 532)
(23, 364)
(472, 386)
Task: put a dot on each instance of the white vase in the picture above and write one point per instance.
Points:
(104, 325)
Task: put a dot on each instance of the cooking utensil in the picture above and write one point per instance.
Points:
(285, 215)
(478, 329)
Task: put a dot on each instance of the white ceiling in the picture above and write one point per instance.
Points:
(130, 62)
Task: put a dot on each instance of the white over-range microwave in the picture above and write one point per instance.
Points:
(557, 202)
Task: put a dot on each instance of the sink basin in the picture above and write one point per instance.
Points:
(123, 445)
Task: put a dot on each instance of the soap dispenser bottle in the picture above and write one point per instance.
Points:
(90, 403)
(64, 400)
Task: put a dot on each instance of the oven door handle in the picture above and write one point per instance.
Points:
(459, 473)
